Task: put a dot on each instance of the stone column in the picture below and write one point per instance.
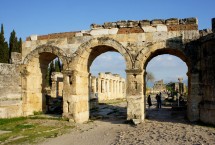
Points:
(135, 96)
(99, 85)
(103, 86)
(54, 86)
(93, 82)
(114, 86)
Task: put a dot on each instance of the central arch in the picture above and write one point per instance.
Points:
(77, 101)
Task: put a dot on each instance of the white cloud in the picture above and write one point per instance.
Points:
(169, 68)
(109, 62)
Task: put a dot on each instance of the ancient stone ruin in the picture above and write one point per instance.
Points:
(159, 86)
(23, 82)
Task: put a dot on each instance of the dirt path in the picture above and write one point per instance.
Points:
(161, 127)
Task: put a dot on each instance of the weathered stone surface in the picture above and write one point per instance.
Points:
(130, 30)
(109, 25)
(172, 21)
(95, 32)
(189, 21)
(182, 27)
(144, 23)
(131, 24)
(122, 24)
(161, 28)
(96, 26)
(157, 21)
(33, 37)
(149, 29)
(10, 91)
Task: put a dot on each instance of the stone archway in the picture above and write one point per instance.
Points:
(33, 72)
(194, 96)
(77, 98)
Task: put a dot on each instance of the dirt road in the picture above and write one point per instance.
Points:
(162, 126)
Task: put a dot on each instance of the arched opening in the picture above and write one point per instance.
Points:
(169, 91)
(43, 86)
(81, 63)
(107, 86)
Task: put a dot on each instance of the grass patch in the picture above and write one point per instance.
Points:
(30, 130)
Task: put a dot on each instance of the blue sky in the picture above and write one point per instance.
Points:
(52, 16)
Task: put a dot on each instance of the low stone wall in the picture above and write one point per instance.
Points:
(10, 91)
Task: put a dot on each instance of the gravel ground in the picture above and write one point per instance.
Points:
(162, 126)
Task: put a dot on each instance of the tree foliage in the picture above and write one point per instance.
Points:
(4, 52)
(150, 77)
(15, 45)
(57, 65)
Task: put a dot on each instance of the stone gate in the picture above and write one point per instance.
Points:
(138, 42)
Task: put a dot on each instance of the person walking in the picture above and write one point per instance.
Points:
(149, 101)
(159, 100)
(157, 96)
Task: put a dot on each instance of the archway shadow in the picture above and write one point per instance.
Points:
(115, 112)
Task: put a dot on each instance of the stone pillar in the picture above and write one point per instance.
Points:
(76, 96)
(93, 84)
(135, 96)
(108, 86)
(99, 85)
(54, 86)
(103, 86)
(194, 97)
(213, 25)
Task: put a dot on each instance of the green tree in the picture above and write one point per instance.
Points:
(57, 65)
(14, 44)
(149, 77)
(20, 45)
(4, 52)
(51, 69)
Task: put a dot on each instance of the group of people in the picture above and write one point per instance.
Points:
(157, 97)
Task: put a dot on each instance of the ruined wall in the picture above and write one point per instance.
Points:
(10, 91)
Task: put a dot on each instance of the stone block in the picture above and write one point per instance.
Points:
(157, 21)
(149, 29)
(33, 37)
(130, 30)
(131, 24)
(95, 32)
(172, 21)
(189, 21)
(182, 27)
(121, 24)
(161, 28)
(113, 31)
(144, 23)
(96, 26)
(109, 25)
